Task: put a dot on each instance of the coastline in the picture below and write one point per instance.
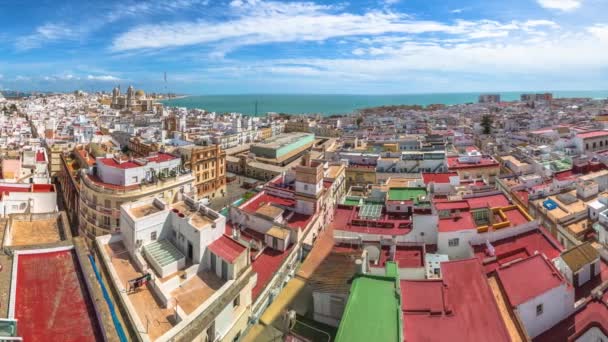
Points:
(328, 104)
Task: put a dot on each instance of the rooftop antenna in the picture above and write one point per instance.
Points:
(166, 89)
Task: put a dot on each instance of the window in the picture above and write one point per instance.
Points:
(237, 301)
(539, 309)
(453, 242)
(305, 187)
(153, 236)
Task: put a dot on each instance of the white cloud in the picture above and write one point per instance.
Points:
(51, 32)
(561, 5)
(103, 78)
(260, 22)
(457, 10)
(43, 34)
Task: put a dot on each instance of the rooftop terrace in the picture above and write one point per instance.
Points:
(517, 247)
(34, 232)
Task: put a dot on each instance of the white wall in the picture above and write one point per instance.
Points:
(305, 207)
(558, 303)
(323, 307)
(462, 250)
(307, 188)
(584, 274)
(593, 334)
(18, 202)
(424, 229)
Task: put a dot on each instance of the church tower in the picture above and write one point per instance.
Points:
(130, 97)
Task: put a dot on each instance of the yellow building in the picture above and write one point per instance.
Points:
(474, 166)
(297, 125)
(265, 133)
(208, 165)
(360, 175)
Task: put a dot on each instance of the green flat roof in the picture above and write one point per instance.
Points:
(391, 270)
(373, 311)
(406, 194)
(351, 201)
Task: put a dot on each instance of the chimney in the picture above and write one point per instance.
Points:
(360, 266)
(306, 159)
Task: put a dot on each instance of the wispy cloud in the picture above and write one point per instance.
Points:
(53, 32)
(103, 78)
(44, 34)
(256, 22)
(561, 5)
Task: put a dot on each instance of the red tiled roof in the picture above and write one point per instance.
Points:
(43, 188)
(40, 156)
(299, 221)
(437, 177)
(459, 307)
(594, 314)
(452, 205)
(515, 279)
(266, 265)
(227, 249)
(265, 198)
(455, 223)
(492, 201)
(593, 134)
(405, 256)
(159, 158)
(518, 247)
(515, 217)
(42, 295)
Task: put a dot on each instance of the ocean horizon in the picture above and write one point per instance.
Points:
(333, 104)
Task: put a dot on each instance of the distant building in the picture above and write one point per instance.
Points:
(489, 98)
(283, 149)
(536, 97)
(133, 100)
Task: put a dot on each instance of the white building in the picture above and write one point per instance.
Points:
(537, 292)
(120, 171)
(201, 275)
(579, 264)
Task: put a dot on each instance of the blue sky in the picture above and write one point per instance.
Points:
(258, 46)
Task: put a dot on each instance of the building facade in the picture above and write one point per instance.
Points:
(114, 181)
(208, 165)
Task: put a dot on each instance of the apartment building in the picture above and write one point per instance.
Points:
(208, 165)
(119, 179)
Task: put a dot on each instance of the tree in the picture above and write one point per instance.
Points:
(359, 121)
(486, 123)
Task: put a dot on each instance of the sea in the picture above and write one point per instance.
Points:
(342, 104)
